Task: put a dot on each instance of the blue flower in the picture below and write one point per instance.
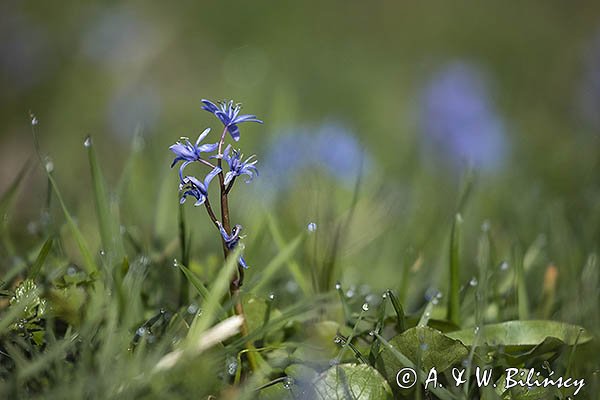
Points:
(238, 167)
(228, 114)
(188, 152)
(458, 119)
(231, 241)
(191, 186)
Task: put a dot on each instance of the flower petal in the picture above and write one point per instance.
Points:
(209, 106)
(234, 131)
(211, 175)
(202, 136)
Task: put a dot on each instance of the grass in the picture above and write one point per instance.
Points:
(91, 316)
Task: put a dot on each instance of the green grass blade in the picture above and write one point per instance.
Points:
(41, 258)
(283, 257)
(109, 228)
(522, 297)
(88, 261)
(220, 286)
(199, 286)
(293, 266)
(8, 197)
(454, 290)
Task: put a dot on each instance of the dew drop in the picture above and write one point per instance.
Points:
(175, 263)
(192, 308)
(232, 368)
(473, 281)
(311, 227)
(350, 293)
(423, 346)
(504, 266)
(141, 331)
(291, 286)
(476, 330)
(88, 141)
(49, 165)
(338, 286)
(337, 340)
(102, 253)
(384, 295)
(71, 270)
(372, 333)
(271, 296)
(485, 227)
(365, 307)
(288, 383)
(34, 120)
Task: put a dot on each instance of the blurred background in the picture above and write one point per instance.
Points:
(392, 100)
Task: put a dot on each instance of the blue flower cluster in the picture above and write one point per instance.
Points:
(187, 152)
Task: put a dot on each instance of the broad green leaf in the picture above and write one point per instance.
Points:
(519, 335)
(518, 392)
(352, 382)
(423, 346)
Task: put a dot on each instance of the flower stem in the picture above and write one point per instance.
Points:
(236, 281)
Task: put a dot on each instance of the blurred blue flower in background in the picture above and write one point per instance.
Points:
(457, 120)
(589, 91)
(228, 114)
(330, 147)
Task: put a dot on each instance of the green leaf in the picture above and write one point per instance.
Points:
(519, 335)
(523, 392)
(352, 382)
(39, 261)
(423, 346)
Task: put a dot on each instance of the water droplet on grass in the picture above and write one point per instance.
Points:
(88, 141)
(49, 165)
(311, 227)
(271, 296)
(473, 281)
(192, 308)
(365, 307)
(288, 383)
(338, 286)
